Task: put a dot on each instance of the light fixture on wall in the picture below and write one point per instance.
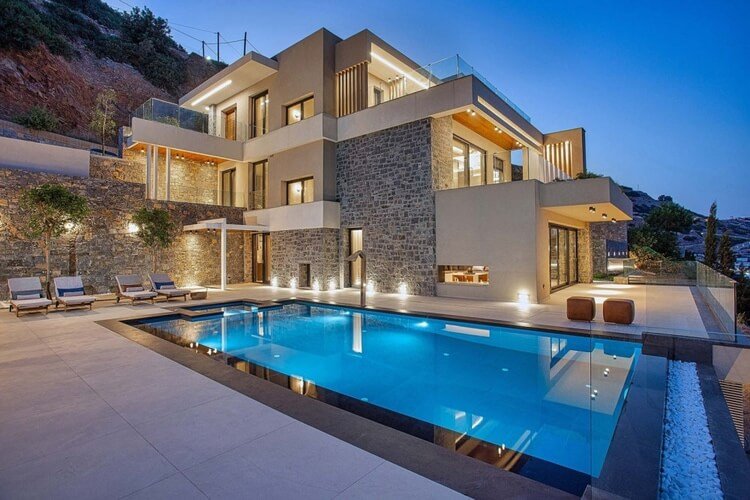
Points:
(208, 94)
(332, 284)
(523, 297)
(274, 282)
(132, 227)
(403, 289)
(293, 283)
(70, 226)
(316, 286)
(370, 287)
(592, 209)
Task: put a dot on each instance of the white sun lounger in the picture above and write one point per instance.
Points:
(26, 295)
(69, 292)
(130, 287)
(162, 284)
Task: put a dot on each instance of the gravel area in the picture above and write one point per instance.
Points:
(688, 459)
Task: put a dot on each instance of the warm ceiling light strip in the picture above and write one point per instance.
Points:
(211, 92)
(397, 69)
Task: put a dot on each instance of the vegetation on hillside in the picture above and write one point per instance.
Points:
(139, 37)
(658, 234)
(39, 118)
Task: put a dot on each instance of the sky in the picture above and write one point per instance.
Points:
(662, 88)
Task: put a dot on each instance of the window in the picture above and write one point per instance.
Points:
(299, 191)
(259, 185)
(498, 170)
(464, 275)
(230, 123)
(259, 125)
(300, 110)
(227, 187)
(377, 96)
(563, 256)
(468, 164)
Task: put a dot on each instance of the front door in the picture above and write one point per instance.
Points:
(230, 124)
(260, 257)
(355, 266)
(563, 256)
(227, 187)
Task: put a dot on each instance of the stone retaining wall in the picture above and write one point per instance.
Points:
(103, 247)
(600, 233)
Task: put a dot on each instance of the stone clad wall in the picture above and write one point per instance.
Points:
(600, 233)
(103, 247)
(317, 247)
(191, 181)
(384, 182)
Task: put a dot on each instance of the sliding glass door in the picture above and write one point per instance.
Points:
(563, 256)
(260, 257)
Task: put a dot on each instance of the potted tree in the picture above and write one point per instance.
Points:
(156, 230)
(50, 210)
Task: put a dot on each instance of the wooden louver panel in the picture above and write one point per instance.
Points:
(351, 89)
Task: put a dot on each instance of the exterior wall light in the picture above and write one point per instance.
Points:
(331, 284)
(523, 297)
(403, 289)
(275, 282)
(132, 227)
(370, 287)
(293, 283)
(316, 286)
(69, 226)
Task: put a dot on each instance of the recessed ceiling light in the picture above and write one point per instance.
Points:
(592, 209)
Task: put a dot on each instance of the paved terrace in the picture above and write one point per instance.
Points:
(86, 413)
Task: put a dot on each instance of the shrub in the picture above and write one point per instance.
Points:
(670, 216)
(22, 27)
(156, 230)
(39, 118)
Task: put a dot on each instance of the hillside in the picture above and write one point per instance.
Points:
(60, 54)
(643, 203)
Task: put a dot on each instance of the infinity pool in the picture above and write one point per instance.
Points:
(522, 394)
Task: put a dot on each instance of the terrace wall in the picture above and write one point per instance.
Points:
(317, 247)
(103, 247)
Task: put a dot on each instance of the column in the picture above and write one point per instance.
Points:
(149, 161)
(168, 159)
(156, 173)
(223, 256)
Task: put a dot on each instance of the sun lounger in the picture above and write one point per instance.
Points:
(69, 292)
(130, 287)
(162, 284)
(26, 295)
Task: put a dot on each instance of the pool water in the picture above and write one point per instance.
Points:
(549, 396)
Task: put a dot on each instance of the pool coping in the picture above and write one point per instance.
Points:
(460, 473)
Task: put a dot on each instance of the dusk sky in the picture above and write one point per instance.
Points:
(662, 88)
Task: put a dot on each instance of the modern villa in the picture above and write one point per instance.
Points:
(338, 145)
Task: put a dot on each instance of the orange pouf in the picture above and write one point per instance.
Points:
(581, 308)
(621, 311)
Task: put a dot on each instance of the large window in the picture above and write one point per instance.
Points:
(468, 164)
(464, 275)
(498, 170)
(227, 187)
(563, 256)
(300, 110)
(259, 124)
(259, 185)
(300, 191)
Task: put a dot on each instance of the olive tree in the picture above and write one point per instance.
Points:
(103, 116)
(51, 209)
(156, 230)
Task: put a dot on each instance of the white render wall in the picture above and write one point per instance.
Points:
(38, 157)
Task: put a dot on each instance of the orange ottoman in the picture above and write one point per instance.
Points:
(621, 311)
(581, 308)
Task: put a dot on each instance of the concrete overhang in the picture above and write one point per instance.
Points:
(320, 126)
(451, 97)
(318, 214)
(165, 135)
(576, 198)
(241, 74)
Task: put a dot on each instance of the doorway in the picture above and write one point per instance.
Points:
(355, 266)
(230, 123)
(563, 256)
(227, 187)
(304, 275)
(260, 258)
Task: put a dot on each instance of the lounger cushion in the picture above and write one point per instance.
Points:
(77, 299)
(163, 285)
(30, 303)
(173, 292)
(133, 289)
(70, 292)
(142, 294)
(28, 296)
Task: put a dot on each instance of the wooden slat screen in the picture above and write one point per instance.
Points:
(351, 89)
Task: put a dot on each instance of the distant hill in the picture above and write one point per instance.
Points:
(59, 54)
(643, 203)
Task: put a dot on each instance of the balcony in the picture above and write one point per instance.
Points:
(397, 83)
(171, 114)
